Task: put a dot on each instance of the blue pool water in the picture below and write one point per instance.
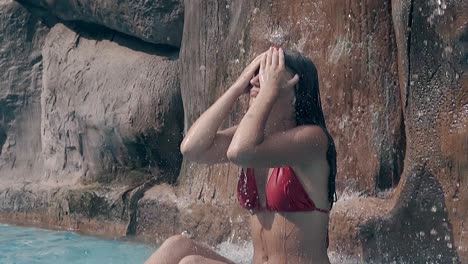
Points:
(24, 245)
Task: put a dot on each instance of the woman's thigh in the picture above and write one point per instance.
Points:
(175, 248)
(197, 259)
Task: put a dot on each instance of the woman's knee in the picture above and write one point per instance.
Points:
(192, 259)
(179, 241)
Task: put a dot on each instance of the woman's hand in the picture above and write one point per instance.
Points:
(273, 74)
(242, 83)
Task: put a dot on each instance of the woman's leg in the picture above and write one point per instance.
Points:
(196, 259)
(175, 248)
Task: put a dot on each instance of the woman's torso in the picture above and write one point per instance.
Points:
(292, 237)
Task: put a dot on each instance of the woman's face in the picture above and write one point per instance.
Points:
(255, 82)
(284, 108)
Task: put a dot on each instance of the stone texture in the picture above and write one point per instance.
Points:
(158, 22)
(109, 112)
(162, 212)
(424, 219)
(21, 40)
(437, 112)
(89, 210)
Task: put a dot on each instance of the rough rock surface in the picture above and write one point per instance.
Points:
(108, 111)
(159, 21)
(21, 40)
(91, 141)
(424, 219)
(96, 211)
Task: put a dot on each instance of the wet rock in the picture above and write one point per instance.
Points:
(410, 228)
(158, 215)
(162, 213)
(428, 209)
(437, 113)
(89, 210)
(159, 22)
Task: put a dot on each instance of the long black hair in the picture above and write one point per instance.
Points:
(308, 107)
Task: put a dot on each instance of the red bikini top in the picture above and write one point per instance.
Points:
(284, 192)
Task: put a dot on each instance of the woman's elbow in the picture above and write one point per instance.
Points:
(237, 156)
(184, 149)
(232, 155)
(187, 151)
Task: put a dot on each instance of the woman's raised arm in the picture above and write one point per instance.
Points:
(203, 143)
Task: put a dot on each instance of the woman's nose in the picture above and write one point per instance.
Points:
(255, 81)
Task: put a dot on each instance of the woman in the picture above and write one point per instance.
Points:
(288, 160)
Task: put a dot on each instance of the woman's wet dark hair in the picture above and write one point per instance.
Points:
(309, 108)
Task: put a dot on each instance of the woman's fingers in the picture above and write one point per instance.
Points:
(255, 67)
(281, 57)
(255, 81)
(249, 71)
(262, 65)
(269, 55)
(254, 91)
(274, 59)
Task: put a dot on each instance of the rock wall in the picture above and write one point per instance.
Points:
(95, 98)
(159, 22)
(114, 108)
(424, 218)
(21, 40)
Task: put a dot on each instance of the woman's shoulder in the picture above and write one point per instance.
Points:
(315, 134)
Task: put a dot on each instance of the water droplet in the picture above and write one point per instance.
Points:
(434, 209)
